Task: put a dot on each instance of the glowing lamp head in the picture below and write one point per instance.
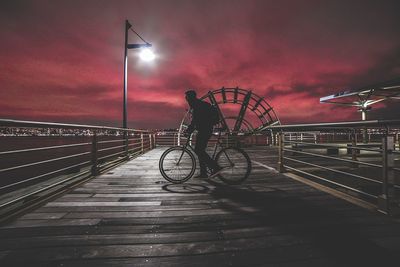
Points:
(147, 55)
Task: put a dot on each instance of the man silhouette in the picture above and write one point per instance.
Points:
(204, 126)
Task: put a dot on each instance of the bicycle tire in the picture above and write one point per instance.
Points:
(236, 164)
(177, 173)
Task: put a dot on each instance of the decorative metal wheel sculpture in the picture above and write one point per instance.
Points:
(262, 113)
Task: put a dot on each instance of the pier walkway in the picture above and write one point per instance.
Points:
(130, 217)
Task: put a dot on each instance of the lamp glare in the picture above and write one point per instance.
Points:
(147, 55)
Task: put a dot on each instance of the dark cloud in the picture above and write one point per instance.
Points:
(63, 60)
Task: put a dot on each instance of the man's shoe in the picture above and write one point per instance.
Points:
(201, 176)
(216, 171)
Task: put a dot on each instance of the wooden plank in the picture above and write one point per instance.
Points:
(246, 258)
(103, 204)
(110, 239)
(136, 214)
(59, 222)
(152, 250)
(43, 216)
(126, 218)
(120, 208)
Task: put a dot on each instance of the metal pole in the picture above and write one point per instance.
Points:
(94, 169)
(142, 143)
(281, 167)
(126, 143)
(125, 100)
(354, 152)
(383, 201)
(150, 142)
(386, 201)
(363, 118)
(354, 145)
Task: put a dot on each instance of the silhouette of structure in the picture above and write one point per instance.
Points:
(248, 101)
(363, 98)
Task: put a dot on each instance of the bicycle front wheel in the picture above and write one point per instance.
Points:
(177, 164)
(236, 164)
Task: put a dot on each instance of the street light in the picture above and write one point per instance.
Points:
(146, 55)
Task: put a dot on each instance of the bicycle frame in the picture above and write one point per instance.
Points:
(217, 144)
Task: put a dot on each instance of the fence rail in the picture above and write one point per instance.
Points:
(174, 138)
(39, 159)
(366, 167)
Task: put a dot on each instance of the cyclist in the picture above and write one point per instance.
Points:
(201, 122)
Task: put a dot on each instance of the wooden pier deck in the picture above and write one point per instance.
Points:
(130, 217)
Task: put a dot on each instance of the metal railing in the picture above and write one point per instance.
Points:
(175, 138)
(40, 159)
(368, 169)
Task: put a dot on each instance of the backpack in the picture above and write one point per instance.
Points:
(214, 115)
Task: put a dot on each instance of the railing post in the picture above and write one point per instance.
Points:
(281, 167)
(354, 151)
(173, 137)
(387, 201)
(142, 143)
(151, 142)
(275, 138)
(154, 140)
(94, 168)
(365, 135)
(272, 138)
(126, 143)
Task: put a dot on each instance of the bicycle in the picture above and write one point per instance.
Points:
(178, 164)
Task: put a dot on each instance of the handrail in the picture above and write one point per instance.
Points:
(333, 146)
(42, 148)
(44, 175)
(91, 157)
(370, 165)
(43, 162)
(334, 158)
(326, 125)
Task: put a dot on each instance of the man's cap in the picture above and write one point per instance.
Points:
(190, 94)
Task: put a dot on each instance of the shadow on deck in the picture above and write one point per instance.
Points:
(130, 217)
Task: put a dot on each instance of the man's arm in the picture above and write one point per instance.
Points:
(192, 125)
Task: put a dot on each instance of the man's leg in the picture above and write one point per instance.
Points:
(200, 149)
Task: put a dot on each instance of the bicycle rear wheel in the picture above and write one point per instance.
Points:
(177, 164)
(236, 164)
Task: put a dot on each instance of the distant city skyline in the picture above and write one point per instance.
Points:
(62, 61)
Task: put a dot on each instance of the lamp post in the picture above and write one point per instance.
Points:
(128, 27)
(148, 56)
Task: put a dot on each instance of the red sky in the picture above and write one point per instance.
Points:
(62, 61)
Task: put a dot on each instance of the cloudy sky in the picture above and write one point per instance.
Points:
(62, 60)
